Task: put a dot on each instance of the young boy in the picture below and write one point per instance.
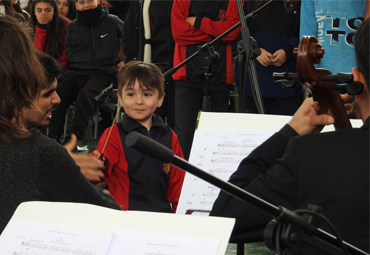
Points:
(136, 181)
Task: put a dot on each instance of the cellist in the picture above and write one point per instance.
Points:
(299, 166)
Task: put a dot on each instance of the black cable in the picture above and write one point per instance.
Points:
(330, 225)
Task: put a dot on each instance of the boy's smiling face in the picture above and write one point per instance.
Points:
(140, 103)
(82, 5)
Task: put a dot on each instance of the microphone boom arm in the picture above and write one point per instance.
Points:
(155, 150)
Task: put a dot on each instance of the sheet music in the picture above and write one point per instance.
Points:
(139, 243)
(219, 152)
(87, 229)
(32, 238)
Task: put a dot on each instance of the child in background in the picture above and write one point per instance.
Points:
(50, 29)
(67, 8)
(92, 52)
(119, 8)
(276, 31)
(136, 181)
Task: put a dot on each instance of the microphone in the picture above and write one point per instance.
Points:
(149, 147)
(157, 151)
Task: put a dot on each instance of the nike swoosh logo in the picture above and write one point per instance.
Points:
(102, 36)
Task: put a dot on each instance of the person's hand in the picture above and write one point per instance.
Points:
(71, 144)
(191, 21)
(43, 19)
(99, 156)
(120, 64)
(309, 118)
(264, 58)
(90, 167)
(346, 98)
(278, 58)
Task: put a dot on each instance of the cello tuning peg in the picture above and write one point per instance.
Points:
(355, 88)
(352, 88)
(288, 80)
(284, 77)
(339, 78)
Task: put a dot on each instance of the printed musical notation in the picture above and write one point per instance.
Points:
(218, 152)
(52, 239)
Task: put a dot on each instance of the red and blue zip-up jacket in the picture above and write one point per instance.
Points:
(136, 181)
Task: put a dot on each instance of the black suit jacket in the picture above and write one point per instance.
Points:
(330, 170)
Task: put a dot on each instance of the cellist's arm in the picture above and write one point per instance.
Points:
(308, 118)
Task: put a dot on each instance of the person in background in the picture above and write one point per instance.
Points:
(17, 7)
(67, 8)
(7, 8)
(298, 166)
(193, 24)
(136, 181)
(33, 167)
(50, 29)
(276, 31)
(28, 6)
(119, 8)
(334, 26)
(92, 51)
(148, 37)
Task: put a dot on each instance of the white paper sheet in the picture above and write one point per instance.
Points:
(218, 152)
(88, 222)
(140, 243)
(31, 238)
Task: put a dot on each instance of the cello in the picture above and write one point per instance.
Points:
(321, 82)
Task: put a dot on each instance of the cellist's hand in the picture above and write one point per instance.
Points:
(309, 118)
(346, 98)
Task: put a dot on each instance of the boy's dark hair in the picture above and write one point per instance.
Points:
(52, 68)
(148, 75)
(361, 43)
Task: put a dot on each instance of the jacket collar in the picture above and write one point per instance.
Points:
(130, 124)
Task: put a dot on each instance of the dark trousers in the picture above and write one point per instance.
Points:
(188, 103)
(167, 110)
(276, 106)
(88, 92)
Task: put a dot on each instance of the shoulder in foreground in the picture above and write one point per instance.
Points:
(44, 143)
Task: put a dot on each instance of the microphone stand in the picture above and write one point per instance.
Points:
(248, 49)
(292, 220)
(207, 46)
(211, 57)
